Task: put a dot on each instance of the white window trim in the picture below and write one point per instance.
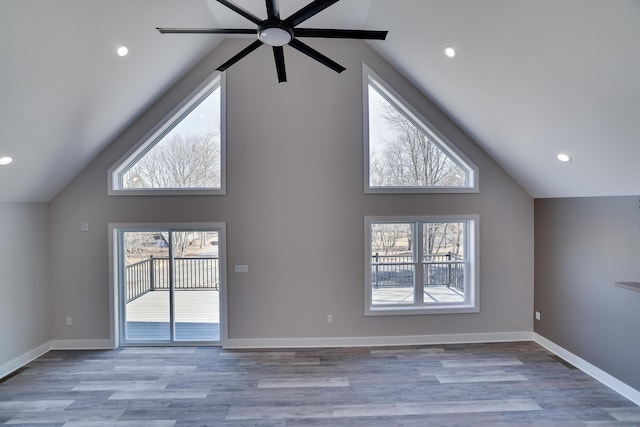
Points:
(165, 125)
(472, 279)
(456, 155)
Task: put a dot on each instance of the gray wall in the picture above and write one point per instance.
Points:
(294, 209)
(24, 279)
(583, 246)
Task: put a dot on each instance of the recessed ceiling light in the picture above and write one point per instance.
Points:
(563, 157)
(122, 50)
(449, 52)
(5, 160)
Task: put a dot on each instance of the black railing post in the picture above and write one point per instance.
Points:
(152, 274)
(377, 270)
(449, 269)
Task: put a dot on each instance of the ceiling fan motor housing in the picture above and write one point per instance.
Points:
(275, 33)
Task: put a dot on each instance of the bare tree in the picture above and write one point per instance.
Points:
(181, 240)
(391, 239)
(442, 238)
(139, 245)
(411, 157)
(178, 162)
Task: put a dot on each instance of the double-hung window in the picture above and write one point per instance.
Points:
(421, 264)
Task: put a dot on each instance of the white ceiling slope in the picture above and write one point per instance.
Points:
(64, 94)
(531, 78)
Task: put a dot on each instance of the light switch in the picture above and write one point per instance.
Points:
(242, 268)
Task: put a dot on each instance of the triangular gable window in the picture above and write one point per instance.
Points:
(405, 153)
(184, 154)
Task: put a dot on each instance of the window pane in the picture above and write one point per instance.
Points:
(188, 156)
(444, 262)
(197, 285)
(443, 238)
(392, 263)
(402, 154)
(147, 286)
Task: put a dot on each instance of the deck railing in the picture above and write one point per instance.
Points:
(153, 274)
(399, 271)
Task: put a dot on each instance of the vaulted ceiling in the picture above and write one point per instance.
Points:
(531, 79)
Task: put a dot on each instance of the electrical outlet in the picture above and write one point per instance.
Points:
(538, 315)
(329, 318)
(84, 226)
(69, 322)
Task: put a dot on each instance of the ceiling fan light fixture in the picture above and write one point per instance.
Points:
(274, 35)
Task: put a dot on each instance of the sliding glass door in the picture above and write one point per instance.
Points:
(170, 285)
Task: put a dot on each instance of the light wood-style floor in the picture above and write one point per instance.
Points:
(509, 384)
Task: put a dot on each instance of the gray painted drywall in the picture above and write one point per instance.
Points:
(24, 279)
(294, 209)
(582, 247)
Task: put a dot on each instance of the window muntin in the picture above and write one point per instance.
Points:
(420, 264)
(184, 154)
(403, 152)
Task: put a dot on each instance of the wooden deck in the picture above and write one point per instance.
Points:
(202, 306)
(191, 306)
(432, 294)
(197, 316)
(197, 312)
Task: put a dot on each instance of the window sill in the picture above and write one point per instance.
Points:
(169, 192)
(421, 190)
(421, 310)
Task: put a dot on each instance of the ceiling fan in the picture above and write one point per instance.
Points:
(277, 32)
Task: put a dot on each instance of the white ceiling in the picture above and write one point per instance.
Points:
(531, 78)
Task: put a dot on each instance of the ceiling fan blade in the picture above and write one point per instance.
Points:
(240, 11)
(206, 31)
(244, 52)
(339, 34)
(308, 11)
(309, 51)
(278, 54)
(272, 10)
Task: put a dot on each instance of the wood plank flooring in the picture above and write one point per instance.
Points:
(506, 384)
(192, 306)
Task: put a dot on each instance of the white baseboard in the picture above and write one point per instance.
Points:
(17, 363)
(82, 345)
(610, 381)
(239, 343)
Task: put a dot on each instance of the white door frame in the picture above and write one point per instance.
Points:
(115, 275)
